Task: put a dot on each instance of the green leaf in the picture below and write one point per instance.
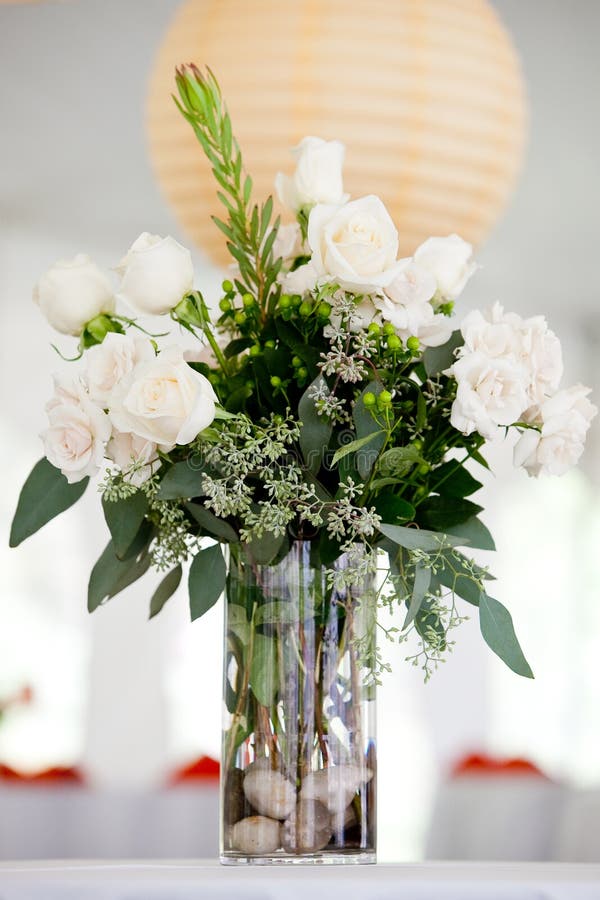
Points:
(475, 534)
(353, 446)
(453, 479)
(315, 432)
(111, 574)
(45, 494)
(398, 461)
(418, 538)
(443, 513)
(181, 481)
(462, 576)
(278, 612)
(421, 412)
(499, 634)
(215, 526)
(124, 518)
(436, 359)
(264, 549)
(394, 510)
(206, 580)
(365, 424)
(165, 590)
(420, 588)
(263, 680)
(236, 346)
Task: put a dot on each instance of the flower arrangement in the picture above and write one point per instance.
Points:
(337, 401)
(324, 433)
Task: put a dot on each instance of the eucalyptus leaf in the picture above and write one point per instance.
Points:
(263, 680)
(421, 584)
(265, 549)
(474, 534)
(398, 461)
(181, 481)
(436, 359)
(394, 510)
(165, 590)
(278, 612)
(499, 634)
(353, 446)
(418, 538)
(124, 518)
(453, 479)
(365, 424)
(45, 494)
(111, 574)
(215, 526)
(442, 513)
(315, 431)
(206, 580)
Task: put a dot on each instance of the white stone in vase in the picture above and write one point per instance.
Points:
(335, 786)
(308, 829)
(256, 834)
(270, 793)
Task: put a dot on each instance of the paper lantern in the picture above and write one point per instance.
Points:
(427, 95)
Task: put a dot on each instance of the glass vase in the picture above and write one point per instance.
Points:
(298, 766)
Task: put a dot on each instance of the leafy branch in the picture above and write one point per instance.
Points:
(248, 228)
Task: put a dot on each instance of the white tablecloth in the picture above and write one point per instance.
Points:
(209, 881)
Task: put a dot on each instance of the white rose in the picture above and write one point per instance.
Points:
(156, 274)
(490, 392)
(288, 242)
(449, 260)
(136, 457)
(301, 280)
(318, 175)
(528, 341)
(72, 293)
(564, 420)
(355, 245)
(109, 362)
(163, 400)
(406, 304)
(78, 431)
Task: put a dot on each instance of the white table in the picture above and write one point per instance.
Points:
(209, 881)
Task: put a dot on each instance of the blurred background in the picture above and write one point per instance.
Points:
(465, 115)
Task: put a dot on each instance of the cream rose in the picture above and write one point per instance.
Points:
(75, 439)
(72, 293)
(563, 420)
(109, 362)
(318, 175)
(288, 242)
(490, 392)
(136, 457)
(355, 245)
(449, 261)
(156, 274)
(406, 304)
(164, 401)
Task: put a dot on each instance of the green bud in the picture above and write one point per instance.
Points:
(270, 344)
(224, 304)
(275, 381)
(388, 328)
(305, 308)
(369, 399)
(227, 286)
(394, 342)
(324, 310)
(285, 301)
(278, 420)
(296, 362)
(302, 372)
(413, 344)
(255, 350)
(385, 398)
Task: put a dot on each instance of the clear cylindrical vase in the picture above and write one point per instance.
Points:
(298, 766)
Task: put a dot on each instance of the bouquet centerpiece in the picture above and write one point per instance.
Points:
(314, 461)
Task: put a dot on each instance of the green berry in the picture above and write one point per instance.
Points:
(275, 381)
(227, 286)
(369, 399)
(224, 304)
(270, 344)
(255, 350)
(296, 299)
(385, 398)
(388, 328)
(240, 317)
(418, 444)
(394, 342)
(302, 372)
(421, 492)
(324, 310)
(285, 301)
(296, 362)
(413, 344)
(374, 328)
(305, 308)
(423, 469)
